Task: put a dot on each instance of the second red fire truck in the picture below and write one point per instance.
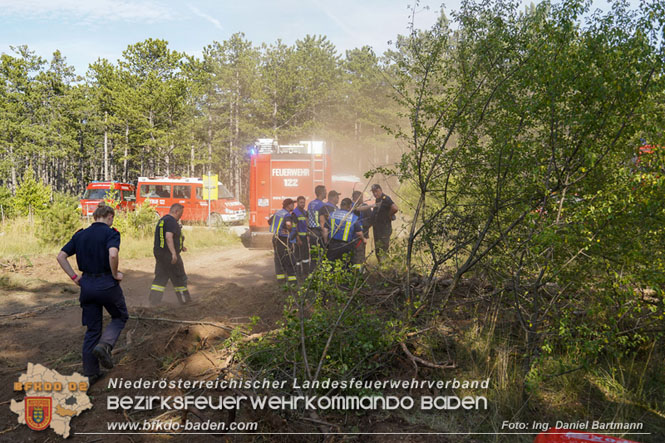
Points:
(162, 192)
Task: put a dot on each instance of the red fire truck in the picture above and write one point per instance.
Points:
(645, 159)
(162, 192)
(97, 191)
(277, 172)
(346, 185)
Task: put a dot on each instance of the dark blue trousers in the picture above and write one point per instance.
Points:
(97, 293)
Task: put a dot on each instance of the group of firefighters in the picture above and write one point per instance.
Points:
(300, 236)
(341, 231)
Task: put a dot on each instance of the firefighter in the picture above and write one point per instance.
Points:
(96, 249)
(384, 210)
(281, 226)
(301, 238)
(169, 243)
(315, 222)
(345, 229)
(363, 211)
(328, 208)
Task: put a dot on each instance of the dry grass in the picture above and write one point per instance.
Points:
(18, 240)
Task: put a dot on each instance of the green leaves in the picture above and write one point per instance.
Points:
(158, 111)
(32, 196)
(327, 323)
(59, 220)
(522, 130)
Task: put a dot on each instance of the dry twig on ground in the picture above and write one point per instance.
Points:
(416, 360)
(186, 322)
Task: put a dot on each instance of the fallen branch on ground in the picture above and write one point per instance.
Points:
(429, 364)
(320, 422)
(186, 322)
(31, 312)
(173, 336)
(9, 429)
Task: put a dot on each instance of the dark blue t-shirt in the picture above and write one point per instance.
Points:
(91, 246)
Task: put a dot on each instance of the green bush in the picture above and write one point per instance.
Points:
(59, 221)
(6, 202)
(339, 332)
(138, 223)
(32, 196)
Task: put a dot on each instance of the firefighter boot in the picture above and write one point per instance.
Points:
(155, 297)
(103, 353)
(183, 296)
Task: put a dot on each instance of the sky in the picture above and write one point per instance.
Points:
(84, 30)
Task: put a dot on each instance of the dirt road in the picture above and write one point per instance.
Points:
(40, 322)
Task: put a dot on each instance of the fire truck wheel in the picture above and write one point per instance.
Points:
(216, 219)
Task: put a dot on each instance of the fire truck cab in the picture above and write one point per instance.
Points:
(162, 192)
(277, 172)
(96, 191)
(647, 158)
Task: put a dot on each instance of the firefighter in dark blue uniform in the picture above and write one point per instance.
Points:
(364, 213)
(315, 222)
(169, 242)
(302, 239)
(96, 249)
(327, 209)
(281, 226)
(345, 229)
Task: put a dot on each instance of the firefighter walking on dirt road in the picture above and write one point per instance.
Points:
(281, 226)
(169, 242)
(96, 249)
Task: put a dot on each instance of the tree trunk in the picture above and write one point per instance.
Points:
(236, 136)
(124, 161)
(56, 175)
(236, 154)
(191, 161)
(38, 175)
(209, 140)
(167, 159)
(114, 170)
(152, 140)
(231, 164)
(13, 163)
(106, 148)
(81, 153)
(274, 115)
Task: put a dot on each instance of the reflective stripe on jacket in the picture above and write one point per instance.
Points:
(278, 224)
(313, 212)
(301, 226)
(344, 225)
